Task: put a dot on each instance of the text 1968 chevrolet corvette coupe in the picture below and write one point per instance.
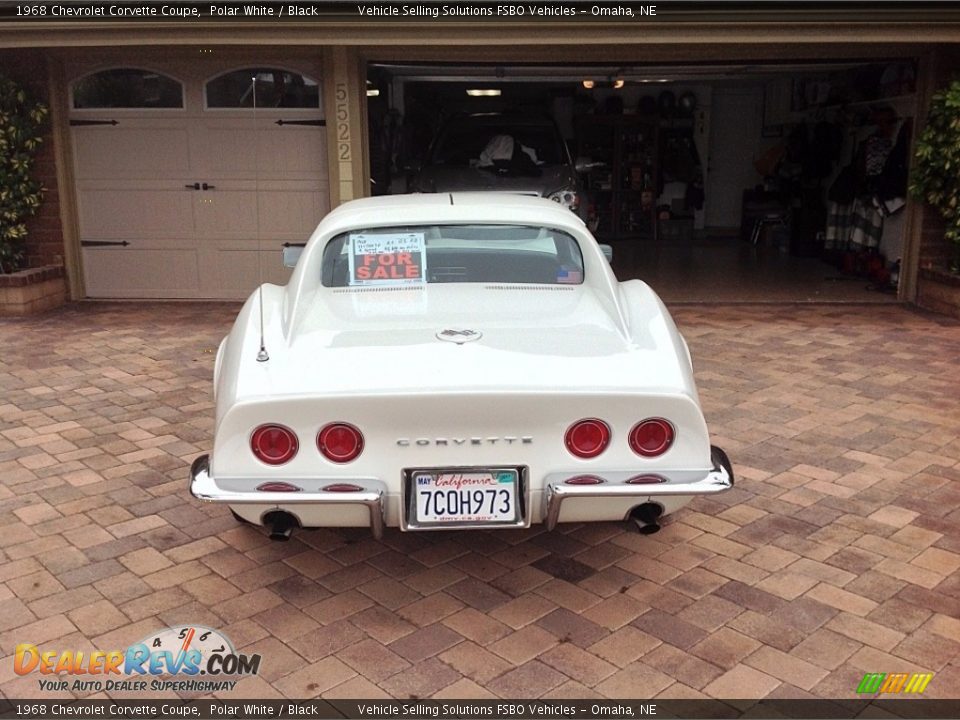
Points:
(455, 361)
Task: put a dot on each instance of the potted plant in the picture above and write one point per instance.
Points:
(22, 290)
(935, 176)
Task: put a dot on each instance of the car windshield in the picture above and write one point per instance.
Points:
(484, 144)
(452, 254)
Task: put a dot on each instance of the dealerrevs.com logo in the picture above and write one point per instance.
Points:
(202, 654)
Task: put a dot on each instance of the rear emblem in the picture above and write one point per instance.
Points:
(459, 335)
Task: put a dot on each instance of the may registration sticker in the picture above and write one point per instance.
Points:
(466, 497)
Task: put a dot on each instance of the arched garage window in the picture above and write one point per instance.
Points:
(127, 88)
(275, 88)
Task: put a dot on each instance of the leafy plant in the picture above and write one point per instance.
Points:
(936, 170)
(20, 195)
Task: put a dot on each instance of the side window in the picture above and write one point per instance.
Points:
(127, 88)
(275, 88)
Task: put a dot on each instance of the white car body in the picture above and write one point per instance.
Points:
(547, 356)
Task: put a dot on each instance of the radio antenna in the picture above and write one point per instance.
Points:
(262, 355)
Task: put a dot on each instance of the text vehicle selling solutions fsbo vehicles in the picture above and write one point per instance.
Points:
(464, 360)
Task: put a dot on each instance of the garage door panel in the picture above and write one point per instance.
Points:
(283, 212)
(292, 213)
(137, 214)
(132, 150)
(235, 273)
(266, 151)
(277, 160)
(130, 272)
(227, 213)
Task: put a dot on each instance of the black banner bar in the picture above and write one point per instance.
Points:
(736, 11)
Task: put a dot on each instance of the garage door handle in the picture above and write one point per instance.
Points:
(209, 187)
(195, 186)
(103, 243)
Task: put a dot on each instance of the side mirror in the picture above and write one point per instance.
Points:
(607, 251)
(291, 253)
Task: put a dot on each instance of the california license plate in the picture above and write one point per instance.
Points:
(471, 497)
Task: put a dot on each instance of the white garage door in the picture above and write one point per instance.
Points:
(182, 199)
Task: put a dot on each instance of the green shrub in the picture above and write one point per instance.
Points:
(936, 169)
(20, 195)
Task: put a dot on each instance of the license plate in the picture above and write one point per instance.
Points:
(471, 497)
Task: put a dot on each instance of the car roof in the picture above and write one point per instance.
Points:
(448, 207)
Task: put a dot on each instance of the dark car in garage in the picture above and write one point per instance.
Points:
(500, 152)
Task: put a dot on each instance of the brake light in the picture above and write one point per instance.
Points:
(342, 487)
(340, 442)
(274, 444)
(583, 480)
(277, 487)
(651, 437)
(587, 438)
(646, 480)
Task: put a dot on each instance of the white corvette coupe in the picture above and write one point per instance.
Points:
(455, 361)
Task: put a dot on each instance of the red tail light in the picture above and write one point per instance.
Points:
(277, 487)
(340, 442)
(651, 437)
(646, 480)
(588, 438)
(342, 487)
(584, 480)
(274, 444)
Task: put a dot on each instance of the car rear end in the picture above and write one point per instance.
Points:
(464, 460)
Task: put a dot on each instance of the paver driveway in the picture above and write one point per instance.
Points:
(836, 554)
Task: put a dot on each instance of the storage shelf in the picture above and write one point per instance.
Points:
(627, 145)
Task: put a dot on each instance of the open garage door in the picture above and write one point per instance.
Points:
(182, 199)
(710, 181)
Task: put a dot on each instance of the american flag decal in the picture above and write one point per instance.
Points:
(568, 276)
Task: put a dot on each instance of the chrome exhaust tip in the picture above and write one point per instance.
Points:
(280, 524)
(645, 517)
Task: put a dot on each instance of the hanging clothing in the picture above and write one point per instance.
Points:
(876, 151)
(839, 227)
(867, 224)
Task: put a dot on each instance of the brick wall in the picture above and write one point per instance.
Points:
(45, 233)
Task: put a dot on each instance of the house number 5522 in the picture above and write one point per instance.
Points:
(343, 122)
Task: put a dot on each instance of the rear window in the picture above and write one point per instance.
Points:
(422, 254)
(463, 145)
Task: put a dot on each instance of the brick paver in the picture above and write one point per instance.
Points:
(837, 553)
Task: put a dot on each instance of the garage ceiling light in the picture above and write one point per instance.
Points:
(615, 83)
(483, 92)
(373, 92)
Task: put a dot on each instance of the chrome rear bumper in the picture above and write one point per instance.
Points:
(204, 487)
(720, 478)
(717, 480)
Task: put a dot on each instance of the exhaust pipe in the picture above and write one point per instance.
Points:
(646, 516)
(281, 525)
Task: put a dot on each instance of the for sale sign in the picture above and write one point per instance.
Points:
(387, 258)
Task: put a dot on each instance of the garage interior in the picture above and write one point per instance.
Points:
(758, 182)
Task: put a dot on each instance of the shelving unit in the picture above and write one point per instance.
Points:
(623, 189)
